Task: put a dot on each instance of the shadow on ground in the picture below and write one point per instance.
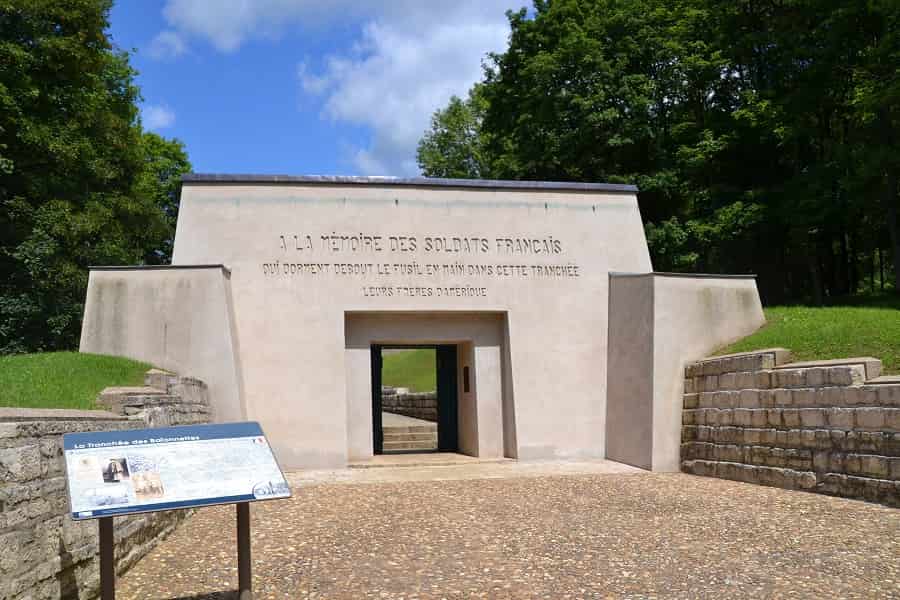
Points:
(229, 595)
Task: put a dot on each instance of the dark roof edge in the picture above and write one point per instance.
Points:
(157, 267)
(683, 275)
(227, 178)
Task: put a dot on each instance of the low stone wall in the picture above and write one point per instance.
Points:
(828, 426)
(420, 405)
(44, 554)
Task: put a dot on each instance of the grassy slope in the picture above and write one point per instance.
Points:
(812, 333)
(414, 369)
(63, 379)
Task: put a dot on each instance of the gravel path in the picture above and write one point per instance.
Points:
(560, 536)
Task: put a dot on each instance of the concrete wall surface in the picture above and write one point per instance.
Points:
(826, 426)
(44, 553)
(178, 319)
(691, 316)
(629, 404)
(304, 253)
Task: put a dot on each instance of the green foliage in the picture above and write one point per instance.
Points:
(816, 333)
(762, 135)
(80, 183)
(415, 369)
(455, 145)
(159, 181)
(63, 379)
(669, 246)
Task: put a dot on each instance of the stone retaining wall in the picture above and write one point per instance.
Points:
(830, 426)
(420, 405)
(44, 554)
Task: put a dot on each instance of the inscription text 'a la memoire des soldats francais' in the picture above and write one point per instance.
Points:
(420, 261)
(360, 242)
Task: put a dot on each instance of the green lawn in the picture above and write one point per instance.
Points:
(63, 379)
(414, 369)
(868, 327)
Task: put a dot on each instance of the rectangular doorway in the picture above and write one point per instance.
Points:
(405, 417)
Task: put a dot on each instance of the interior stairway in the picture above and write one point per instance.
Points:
(407, 434)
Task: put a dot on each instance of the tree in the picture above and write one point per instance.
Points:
(164, 162)
(875, 106)
(75, 175)
(760, 134)
(454, 146)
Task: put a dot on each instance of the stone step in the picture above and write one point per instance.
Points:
(410, 437)
(160, 379)
(886, 394)
(820, 440)
(840, 484)
(410, 429)
(783, 377)
(870, 418)
(423, 445)
(757, 360)
(117, 398)
(805, 459)
(774, 476)
(871, 365)
(134, 390)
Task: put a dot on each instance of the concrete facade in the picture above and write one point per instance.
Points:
(317, 270)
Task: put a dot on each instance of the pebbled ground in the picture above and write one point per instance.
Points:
(533, 533)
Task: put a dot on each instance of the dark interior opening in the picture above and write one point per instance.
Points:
(410, 424)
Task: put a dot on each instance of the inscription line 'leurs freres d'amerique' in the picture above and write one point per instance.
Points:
(431, 249)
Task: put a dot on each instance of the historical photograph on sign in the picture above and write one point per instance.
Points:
(147, 485)
(87, 469)
(145, 478)
(115, 470)
(106, 496)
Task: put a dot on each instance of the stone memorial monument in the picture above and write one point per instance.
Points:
(554, 337)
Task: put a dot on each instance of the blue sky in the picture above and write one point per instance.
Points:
(304, 86)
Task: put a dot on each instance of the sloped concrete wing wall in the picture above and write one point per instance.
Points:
(629, 406)
(674, 319)
(173, 318)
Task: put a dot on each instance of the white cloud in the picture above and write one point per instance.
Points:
(226, 25)
(404, 67)
(313, 84)
(157, 116)
(409, 58)
(167, 44)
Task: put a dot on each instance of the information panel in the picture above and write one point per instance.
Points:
(143, 470)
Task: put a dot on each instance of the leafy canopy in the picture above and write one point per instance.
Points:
(80, 183)
(761, 134)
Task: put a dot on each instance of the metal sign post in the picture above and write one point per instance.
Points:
(245, 560)
(107, 559)
(245, 564)
(111, 473)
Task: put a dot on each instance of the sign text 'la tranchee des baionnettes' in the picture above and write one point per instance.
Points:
(421, 260)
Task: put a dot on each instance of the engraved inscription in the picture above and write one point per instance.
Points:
(421, 258)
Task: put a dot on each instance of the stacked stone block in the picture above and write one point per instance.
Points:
(419, 405)
(166, 399)
(45, 554)
(831, 427)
